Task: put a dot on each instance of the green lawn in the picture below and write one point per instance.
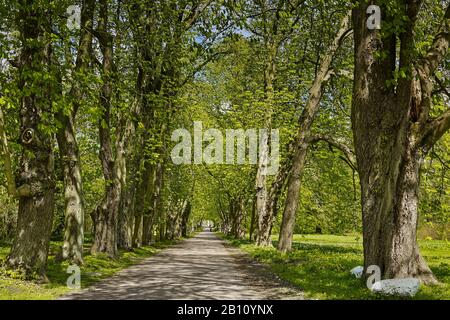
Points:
(95, 268)
(320, 265)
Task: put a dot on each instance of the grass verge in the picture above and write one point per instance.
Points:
(95, 268)
(320, 265)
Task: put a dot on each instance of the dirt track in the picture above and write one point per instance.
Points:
(203, 267)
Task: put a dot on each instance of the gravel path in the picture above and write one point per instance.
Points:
(203, 267)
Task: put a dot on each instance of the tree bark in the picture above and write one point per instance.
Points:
(264, 216)
(393, 132)
(123, 227)
(72, 248)
(127, 171)
(238, 216)
(36, 172)
(251, 236)
(301, 142)
(292, 199)
(185, 219)
(125, 220)
(267, 200)
(141, 196)
(173, 220)
(105, 238)
(155, 203)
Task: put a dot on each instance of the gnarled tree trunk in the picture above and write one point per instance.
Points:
(393, 132)
(36, 172)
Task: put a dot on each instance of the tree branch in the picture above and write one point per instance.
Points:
(435, 130)
(219, 180)
(438, 49)
(442, 162)
(202, 65)
(346, 150)
(195, 13)
(322, 75)
(442, 87)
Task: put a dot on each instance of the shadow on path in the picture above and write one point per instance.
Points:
(196, 269)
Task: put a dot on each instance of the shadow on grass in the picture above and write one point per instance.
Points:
(95, 268)
(323, 248)
(323, 270)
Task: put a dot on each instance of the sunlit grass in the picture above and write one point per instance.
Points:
(320, 265)
(94, 269)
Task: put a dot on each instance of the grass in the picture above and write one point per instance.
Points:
(320, 265)
(94, 269)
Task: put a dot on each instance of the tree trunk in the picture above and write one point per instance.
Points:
(171, 225)
(127, 203)
(265, 217)
(393, 132)
(238, 215)
(36, 176)
(390, 236)
(127, 171)
(251, 236)
(125, 223)
(105, 238)
(147, 231)
(301, 142)
(149, 170)
(72, 248)
(124, 226)
(141, 196)
(292, 199)
(155, 203)
(162, 228)
(185, 219)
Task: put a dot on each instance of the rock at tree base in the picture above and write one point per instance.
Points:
(357, 271)
(406, 287)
